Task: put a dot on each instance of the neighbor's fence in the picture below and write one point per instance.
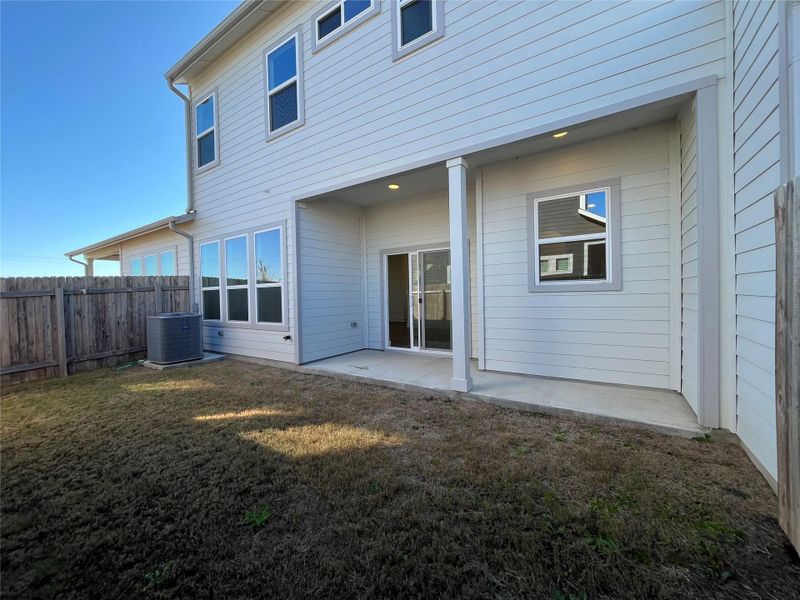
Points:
(52, 326)
(787, 355)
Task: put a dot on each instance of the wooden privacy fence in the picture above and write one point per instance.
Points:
(53, 326)
(787, 355)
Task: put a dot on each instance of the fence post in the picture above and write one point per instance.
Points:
(62, 332)
(787, 355)
(159, 292)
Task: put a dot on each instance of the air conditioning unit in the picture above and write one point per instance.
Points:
(174, 337)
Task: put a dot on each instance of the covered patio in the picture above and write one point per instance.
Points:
(661, 410)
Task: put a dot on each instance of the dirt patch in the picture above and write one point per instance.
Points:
(234, 480)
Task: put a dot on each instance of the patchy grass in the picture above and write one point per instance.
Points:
(239, 481)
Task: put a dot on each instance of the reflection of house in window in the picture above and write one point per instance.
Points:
(557, 264)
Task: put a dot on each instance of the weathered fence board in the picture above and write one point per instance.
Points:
(53, 326)
(787, 355)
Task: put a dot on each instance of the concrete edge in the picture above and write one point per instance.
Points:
(208, 357)
(512, 404)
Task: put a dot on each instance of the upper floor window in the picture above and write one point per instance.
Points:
(336, 19)
(205, 130)
(416, 23)
(284, 86)
(575, 239)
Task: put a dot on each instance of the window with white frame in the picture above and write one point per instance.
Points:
(250, 288)
(284, 86)
(210, 281)
(575, 238)
(337, 18)
(151, 264)
(237, 282)
(415, 24)
(205, 127)
(136, 266)
(167, 261)
(269, 275)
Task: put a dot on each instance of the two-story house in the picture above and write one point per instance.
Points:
(576, 190)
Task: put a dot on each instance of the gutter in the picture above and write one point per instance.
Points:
(174, 228)
(187, 117)
(83, 264)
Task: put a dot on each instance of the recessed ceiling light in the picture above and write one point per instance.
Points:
(393, 186)
(560, 134)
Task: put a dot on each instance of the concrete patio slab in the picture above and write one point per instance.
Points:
(661, 410)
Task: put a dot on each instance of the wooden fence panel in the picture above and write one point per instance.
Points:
(63, 325)
(787, 355)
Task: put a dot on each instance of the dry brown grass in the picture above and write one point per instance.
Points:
(239, 481)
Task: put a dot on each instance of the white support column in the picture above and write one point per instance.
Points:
(459, 277)
(89, 269)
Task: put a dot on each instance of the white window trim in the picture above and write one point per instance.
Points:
(437, 32)
(297, 34)
(252, 322)
(237, 287)
(553, 260)
(217, 288)
(198, 134)
(279, 229)
(318, 44)
(611, 237)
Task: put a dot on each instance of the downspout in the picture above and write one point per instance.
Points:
(83, 264)
(173, 227)
(187, 117)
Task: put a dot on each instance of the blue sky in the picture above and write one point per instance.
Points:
(91, 138)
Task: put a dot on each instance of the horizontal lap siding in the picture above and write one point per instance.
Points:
(330, 282)
(411, 224)
(153, 243)
(756, 175)
(616, 337)
(501, 67)
(689, 273)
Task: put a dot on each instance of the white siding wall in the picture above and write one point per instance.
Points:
(756, 175)
(689, 271)
(410, 224)
(153, 243)
(331, 293)
(501, 67)
(617, 337)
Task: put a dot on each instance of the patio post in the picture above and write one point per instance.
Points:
(459, 267)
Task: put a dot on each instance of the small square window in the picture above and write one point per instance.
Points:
(416, 23)
(329, 23)
(574, 238)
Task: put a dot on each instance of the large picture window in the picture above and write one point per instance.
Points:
(205, 131)
(574, 239)
(243, 278)
(284, 86)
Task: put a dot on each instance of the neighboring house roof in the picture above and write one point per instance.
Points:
(232, 29)
(109, 249)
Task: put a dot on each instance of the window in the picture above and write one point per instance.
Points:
(136, 266)
(151, 265)
(249, 291)
(336, 19)
(269, 276)
(205, 128)
(284, 86)
(574, 238)
(168, 263)
(209, 280)
(236, 278)
(416, 23)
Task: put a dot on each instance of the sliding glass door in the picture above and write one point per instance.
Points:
(418, 304)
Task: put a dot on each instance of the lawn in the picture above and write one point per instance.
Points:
(234, 480)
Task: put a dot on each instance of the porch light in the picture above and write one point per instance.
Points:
(560, 134)
(393, 186)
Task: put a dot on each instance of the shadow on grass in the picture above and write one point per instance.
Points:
(234, 480)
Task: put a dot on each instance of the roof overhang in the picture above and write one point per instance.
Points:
(233, 28)
(109, 249)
